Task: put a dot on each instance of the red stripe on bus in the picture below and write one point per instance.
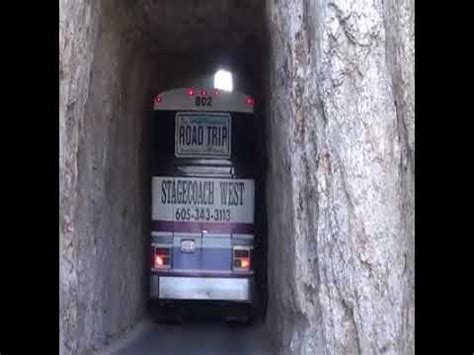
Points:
(198, 227)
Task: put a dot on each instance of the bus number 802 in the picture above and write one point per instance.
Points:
(203, 101)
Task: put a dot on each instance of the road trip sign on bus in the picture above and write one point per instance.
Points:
(203, 135)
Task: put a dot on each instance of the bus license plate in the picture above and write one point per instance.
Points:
(187, 246)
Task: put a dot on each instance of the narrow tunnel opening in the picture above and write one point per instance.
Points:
(334, 90)
(196, 69)
(208, 43)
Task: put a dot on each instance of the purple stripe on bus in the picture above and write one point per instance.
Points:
(203, 259)
(193, 273)
(198, 227)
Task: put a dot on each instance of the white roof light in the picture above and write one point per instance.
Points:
(223, 80)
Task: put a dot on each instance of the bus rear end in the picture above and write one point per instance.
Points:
(203, 199)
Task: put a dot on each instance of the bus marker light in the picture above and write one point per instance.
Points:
(158, 100)
(250, 101)
(190, 92)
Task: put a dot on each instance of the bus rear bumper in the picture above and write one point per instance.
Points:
(201, 288)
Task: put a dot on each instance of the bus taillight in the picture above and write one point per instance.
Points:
(159, 261)
(162, 258)
(250, 101)
(241, 258)
(245, 263)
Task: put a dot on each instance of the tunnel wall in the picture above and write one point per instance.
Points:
(340, 187)
(103, 174)
(78, 31)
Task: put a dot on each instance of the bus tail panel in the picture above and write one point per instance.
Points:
(202, 267)
(166, 287)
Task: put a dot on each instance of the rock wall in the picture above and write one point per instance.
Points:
(341, 176)
(78, 31)
(104, 98)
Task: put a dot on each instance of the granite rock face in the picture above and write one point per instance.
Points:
(340, 187)
(103, 174)
(78, 28)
